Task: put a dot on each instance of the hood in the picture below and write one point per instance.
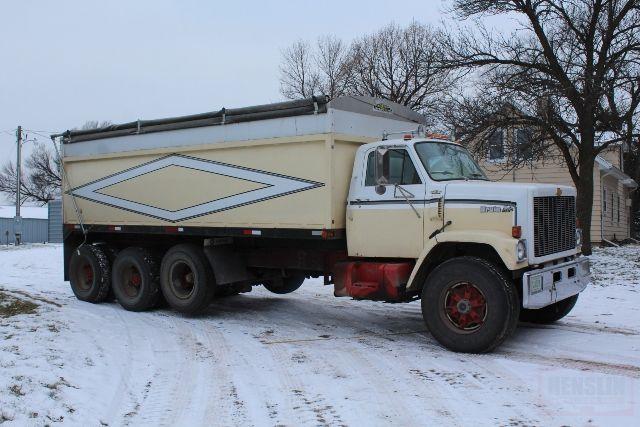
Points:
(503, 191)
(517, 196)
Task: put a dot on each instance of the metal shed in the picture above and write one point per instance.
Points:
(35, 224)
(55, 221)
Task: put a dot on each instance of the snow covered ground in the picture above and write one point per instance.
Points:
(306, 359)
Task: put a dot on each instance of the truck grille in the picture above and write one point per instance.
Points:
(554, 224)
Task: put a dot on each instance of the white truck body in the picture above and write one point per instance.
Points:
(351, 189)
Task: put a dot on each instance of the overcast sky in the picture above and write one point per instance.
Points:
(68, 61)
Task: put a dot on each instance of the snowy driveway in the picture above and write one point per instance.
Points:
(307, 359)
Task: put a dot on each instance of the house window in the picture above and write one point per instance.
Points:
(401, 169)
(496, 145)
(613, 207)
(618, 203)
(523, 139)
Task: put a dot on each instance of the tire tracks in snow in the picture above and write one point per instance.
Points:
(361, 362)
(602, 367)
(582, 327)
(567, 362)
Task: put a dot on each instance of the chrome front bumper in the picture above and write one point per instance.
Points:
(549, 285)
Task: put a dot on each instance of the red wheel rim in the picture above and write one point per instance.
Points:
(183, 280)
(465, 306)
(132, 281)
(87, 276)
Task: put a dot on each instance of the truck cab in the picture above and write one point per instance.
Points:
(461, 238)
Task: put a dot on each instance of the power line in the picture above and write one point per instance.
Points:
(49, 132)
(41, 133)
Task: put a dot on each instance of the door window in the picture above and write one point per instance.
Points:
(402, 171)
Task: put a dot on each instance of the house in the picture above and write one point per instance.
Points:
(611, 217)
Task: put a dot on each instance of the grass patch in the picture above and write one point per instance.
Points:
(16, 390)
(12, 306)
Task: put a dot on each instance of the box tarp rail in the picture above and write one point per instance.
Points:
(313, 105)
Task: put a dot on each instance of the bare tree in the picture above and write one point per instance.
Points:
(95, 124)
(333, 64)
(403, 65)
(41, 173)
(298, 77)
(41, 178)
(571, 72)
(399, 64)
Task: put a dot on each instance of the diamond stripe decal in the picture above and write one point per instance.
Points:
(276, 186)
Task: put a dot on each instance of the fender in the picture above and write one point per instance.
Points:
(504, 245)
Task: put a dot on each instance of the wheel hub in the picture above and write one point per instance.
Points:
(182, 279)
(135, 279)
(87, 272)
(132, 281)
(465, 306)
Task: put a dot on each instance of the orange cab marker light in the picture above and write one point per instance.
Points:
(516, 231)
(438, 136)
(328, 234)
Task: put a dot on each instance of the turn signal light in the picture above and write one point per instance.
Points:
(516, 231)
(408, 136)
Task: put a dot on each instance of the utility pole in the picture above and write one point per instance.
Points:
(17, 224)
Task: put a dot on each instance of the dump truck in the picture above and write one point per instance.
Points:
(353, 190)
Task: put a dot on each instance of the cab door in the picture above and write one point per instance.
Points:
(389, 224)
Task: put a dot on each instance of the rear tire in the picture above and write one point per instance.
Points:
(284, 286)
(186, 279)
(551, 313)
(469, 305)
(90, 273)
(136, 279)
(111, 253)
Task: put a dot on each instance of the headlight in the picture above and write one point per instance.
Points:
(521, 250)
(578, 237)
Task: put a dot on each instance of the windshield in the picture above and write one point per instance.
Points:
(445, 162)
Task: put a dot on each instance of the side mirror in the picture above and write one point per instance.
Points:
(382, 169)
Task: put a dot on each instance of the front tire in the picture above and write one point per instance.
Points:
(186, 279)
(136, 279)
(90, 273)
(549, 314)
(469, 305)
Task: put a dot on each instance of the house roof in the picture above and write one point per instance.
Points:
(31, 212)
(610, 170)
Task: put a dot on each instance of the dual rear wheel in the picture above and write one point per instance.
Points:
(139, 281)
(187, 281)
(90, 273)
(135, 279)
